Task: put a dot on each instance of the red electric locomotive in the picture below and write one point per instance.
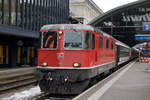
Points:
(71, 55)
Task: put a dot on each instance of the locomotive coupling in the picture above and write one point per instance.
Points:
(69, 80)
(48, 76)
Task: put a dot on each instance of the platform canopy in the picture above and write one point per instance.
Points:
(126, 22)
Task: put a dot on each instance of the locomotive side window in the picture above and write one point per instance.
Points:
(50, 39)
(100, 42)
(87, 41)
(73, 39)
(107, 43)
(112, 45)
(93, 41)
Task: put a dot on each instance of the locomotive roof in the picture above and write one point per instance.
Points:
(75, 26)
(67, 26)
(103, 33)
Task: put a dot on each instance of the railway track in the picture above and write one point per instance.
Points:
(12, 79)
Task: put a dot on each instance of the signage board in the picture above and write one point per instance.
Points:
(146, 26)
(142, 37)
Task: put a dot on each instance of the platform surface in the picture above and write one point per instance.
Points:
(134, 84)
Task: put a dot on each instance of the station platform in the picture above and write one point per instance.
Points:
(13, 72)
(16, 68)
(132, 83)
(14, 75)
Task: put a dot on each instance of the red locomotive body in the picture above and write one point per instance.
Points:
(70, 55)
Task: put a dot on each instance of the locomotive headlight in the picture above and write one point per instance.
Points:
(76, 64)
(60, 32)
(44, 64)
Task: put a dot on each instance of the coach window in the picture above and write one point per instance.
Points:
(87, 40)
(112, 45)
(100, 42)
(107, 43)
(93, 41)
(50, 39)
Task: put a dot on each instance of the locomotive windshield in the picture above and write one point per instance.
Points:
(50, 39)
(73, 39)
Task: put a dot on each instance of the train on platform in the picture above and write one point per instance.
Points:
(71, 55)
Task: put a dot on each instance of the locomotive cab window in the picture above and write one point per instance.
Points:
(50, 39)
(107, 43)
(73, 39)
(87, 40)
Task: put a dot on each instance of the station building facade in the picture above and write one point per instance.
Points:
(20, 22)
(84, 11)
